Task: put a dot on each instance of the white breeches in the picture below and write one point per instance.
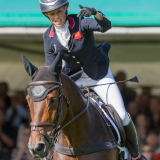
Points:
(110, 93)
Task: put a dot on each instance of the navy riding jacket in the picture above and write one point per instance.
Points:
(83, 54)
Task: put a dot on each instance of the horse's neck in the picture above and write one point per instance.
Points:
(74, 94)
(85, 130)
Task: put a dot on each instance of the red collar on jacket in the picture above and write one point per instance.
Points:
(71, 25)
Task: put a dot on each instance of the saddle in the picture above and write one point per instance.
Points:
(109, 114)
(95, 100)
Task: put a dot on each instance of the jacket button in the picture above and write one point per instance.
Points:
(78, 62)
(69, 51)
(82, 68)
(73, 57)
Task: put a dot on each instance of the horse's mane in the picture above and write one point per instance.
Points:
(66, 79)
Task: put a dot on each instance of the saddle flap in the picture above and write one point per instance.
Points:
(110, 111)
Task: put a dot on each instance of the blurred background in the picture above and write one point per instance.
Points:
(135, 51)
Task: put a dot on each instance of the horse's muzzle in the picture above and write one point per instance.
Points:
(39, 150)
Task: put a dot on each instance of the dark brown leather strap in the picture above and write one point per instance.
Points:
(84, 150)
(38, 124)
(44, 82)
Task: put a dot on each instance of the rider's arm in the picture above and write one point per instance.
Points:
(98, 16)
(100, 23)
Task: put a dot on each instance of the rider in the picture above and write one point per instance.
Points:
(72, 36)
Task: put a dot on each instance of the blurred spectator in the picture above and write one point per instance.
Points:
(147, 151)
(2, 104)
(4, 93)
(153, 139)
(154, 107)
(17, 112)
(22, 152)
(7, 137)
(142, 125)
(21, 127)
(133, 109)
(143, 103)
(127, 94)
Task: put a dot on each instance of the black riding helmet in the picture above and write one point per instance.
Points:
(50, 5)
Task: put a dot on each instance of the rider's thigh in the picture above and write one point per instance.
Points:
(110, 94)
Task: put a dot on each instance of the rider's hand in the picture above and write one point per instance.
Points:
(87, 12)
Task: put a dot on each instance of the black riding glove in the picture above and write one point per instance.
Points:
(87, 12)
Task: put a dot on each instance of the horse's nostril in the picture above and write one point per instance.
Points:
(40, 147)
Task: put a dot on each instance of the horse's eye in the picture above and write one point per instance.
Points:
(52, 100)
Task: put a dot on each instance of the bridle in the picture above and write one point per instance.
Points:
(55, 132)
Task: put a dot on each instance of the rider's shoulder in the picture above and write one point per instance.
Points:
(74, 16)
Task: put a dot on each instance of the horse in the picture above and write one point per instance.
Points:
(59, 110)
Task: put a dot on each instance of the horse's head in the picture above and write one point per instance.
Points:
(45, 103)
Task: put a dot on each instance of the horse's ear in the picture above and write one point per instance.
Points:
(56, 66)
(29, 67)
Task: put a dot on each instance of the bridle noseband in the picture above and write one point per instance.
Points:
(52, 137)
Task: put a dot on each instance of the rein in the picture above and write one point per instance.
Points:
(55, 132)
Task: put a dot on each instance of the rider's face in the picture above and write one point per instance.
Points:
(58, 16)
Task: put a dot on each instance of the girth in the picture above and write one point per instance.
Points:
(84, 150)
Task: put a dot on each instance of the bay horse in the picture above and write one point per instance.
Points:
(59, 110)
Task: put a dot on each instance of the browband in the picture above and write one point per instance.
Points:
(44, 82)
